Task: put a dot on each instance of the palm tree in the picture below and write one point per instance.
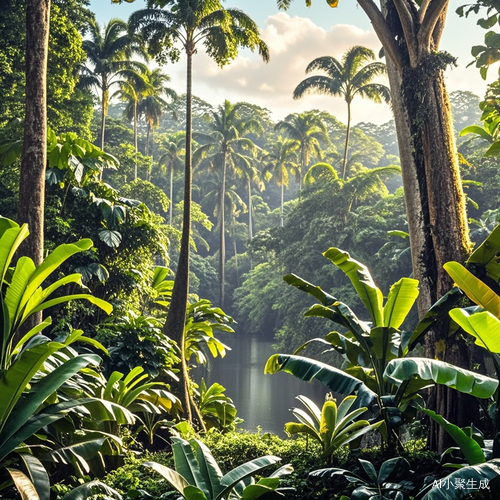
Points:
(251, 174)
(225, 151)
(109, 51)
(347, 78)
(281, 161)
(172, 162)
(153, 103)
(131, 90)
(308, 129)
(222, 32)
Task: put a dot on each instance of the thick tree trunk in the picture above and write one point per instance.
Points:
(222, 249)
(436, 212)
(34, 152)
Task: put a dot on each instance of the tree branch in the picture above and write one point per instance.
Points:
(408, 25)
(383, 32)
(423, 10)
(434, 12)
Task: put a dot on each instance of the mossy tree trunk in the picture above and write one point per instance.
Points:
(434, 197)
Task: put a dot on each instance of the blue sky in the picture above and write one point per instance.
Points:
(295, 38)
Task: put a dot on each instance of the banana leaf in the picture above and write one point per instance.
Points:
(470, 447)
(360, 277)
(400, 300)
(468, 382)
(436, 313)
(483, 326)
(325, 298)
(477, 291)
(309, 369)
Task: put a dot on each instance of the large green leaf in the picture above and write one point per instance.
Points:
(232, 478)
(469, 446)
(483, 326)
(37, 475)
(310, 369)
(9, 243)
(105, 306)
(14, 381)
(474, 288)
(29, 403)
(187, 465)
(316, 291)
(437, 312)
(208, 467)
(468, 382)
(360, 277)
(444, 488)
(485, 254)
(400, 300)
(51, 263)
(173, 477)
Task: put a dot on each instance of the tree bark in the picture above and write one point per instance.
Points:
(34, 152)
(250, 228)
(176, 319)
(344, 164)
(222, 249)
(434, 198)
(135, 140)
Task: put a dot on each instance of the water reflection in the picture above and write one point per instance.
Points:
(262, 400)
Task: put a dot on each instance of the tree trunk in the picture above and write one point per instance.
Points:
(171, 208)
(434, 198)
(104, 112)
(176, 319)
(34, 152)
(281, 204)
(344, 164)
(250, 228)
(135, 140)
(222, 250)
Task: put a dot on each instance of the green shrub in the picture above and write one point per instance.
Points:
(132, 475)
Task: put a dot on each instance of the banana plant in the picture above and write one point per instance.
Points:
(24, 363)
(197, 475)
(369, 347)
(333, 427)
(21, 288)
(217, 409)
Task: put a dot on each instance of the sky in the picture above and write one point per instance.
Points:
(295, 38)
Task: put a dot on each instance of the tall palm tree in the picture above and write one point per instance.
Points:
(172, 161)
(251, 174)
(308, 129)
(153, 103)
(228, 149)
(131, 90)
(351, 76)
(280, 161)
(109, 51)
(222, 31)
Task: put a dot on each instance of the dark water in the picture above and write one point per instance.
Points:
(261, 400)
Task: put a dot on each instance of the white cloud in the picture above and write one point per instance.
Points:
(293, 42)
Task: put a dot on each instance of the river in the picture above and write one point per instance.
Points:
(262, 401)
